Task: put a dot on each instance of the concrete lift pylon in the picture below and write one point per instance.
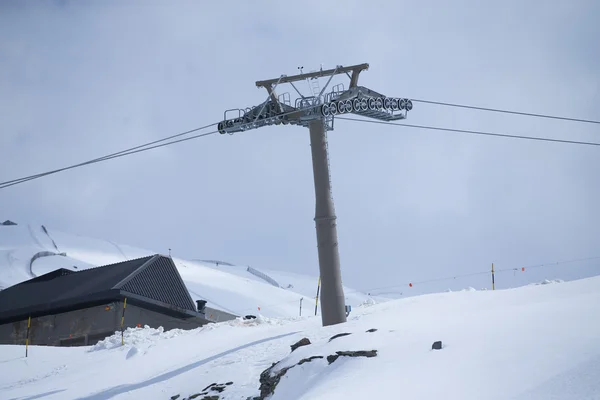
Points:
(317, 114)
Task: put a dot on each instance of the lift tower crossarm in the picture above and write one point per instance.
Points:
(355, 69)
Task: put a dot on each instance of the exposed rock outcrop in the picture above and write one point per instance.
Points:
(270, 378)
(361, 353)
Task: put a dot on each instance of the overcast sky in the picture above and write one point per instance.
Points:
(81, 79)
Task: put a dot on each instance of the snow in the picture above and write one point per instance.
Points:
(536, 342)
(548, 282)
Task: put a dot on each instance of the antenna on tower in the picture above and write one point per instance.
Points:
(317, 112)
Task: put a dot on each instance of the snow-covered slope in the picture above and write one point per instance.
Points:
(27, 251)
(538, 342)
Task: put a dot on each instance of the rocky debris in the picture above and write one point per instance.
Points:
(218, 388)
(339, 335)
(197, 397)
(214, 387)
(360, 353)
(250, 317)
(436, 345)
(209, 386)
(309, 359)
(372, 330)
(300, 343)
(268, 380)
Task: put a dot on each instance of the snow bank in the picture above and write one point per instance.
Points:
(146, 336)
(138, 337)
(547, 282)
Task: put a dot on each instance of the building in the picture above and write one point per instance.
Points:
(74, 308)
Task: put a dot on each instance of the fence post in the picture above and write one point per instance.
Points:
(493, 280)
(301, 305)
(123, 321)
(27, 338)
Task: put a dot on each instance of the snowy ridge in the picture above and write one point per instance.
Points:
(30, 250)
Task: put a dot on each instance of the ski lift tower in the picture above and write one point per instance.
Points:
(317, 112)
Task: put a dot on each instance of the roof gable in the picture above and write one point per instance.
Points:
(159, 280)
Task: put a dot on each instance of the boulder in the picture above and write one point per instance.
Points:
(300, 343)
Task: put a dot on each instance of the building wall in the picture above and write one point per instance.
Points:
(88, 326)
(214, 315)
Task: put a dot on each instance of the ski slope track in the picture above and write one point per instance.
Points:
(537, 342)
(27, 251)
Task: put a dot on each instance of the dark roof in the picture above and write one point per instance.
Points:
(153, 280)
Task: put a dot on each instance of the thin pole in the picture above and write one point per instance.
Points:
(27, 338)
(301, 305)
(493, 281)
(317, 296)
(123, 322)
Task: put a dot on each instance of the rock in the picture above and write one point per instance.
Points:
(210, 398)
(339, 335)
(194, 396)
(175, 397)
(229, 383)
(218, 388)
(360, 353)
(372, 330)
(209, 386)
(331, 358)
(250, 317)
(436, 345)
(309, 359)
(269, 381)
(300, 343)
